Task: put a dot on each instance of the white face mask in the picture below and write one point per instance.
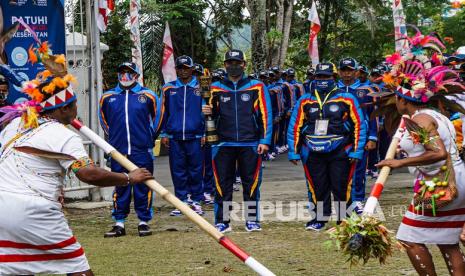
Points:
(126, 79)
(127, 83)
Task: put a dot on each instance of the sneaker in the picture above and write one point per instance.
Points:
(273, 154)
(223, 227)
(176, 213)
(368, 173)
(197, 208)
(236, 187)
(252, 226)
(144, 230)
(271, 157)
(208, 198)
(314, 226)
(189, 200)
(374, 175)
(358, 207)
(238, 180)
(281, 150)
(263, 165)
(116, 231)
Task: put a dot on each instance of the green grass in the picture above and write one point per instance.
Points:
(178, 247)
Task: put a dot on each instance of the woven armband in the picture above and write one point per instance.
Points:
(81, 163)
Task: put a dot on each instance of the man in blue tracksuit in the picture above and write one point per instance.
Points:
(286, 102)
(130, 116)
(327, 132)
(207, 172)
(183, 131)
(308, 82)
(363, 73)
(348, 81)
(365, 82)
(296, 85)
(242, 109)
(275, 91)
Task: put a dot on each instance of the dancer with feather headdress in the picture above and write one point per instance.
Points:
(36, 150)
(436, 214)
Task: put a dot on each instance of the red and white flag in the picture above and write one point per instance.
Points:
(313, 36)
(400, 29)
(168, 68)
(104, 9)
(134, 7)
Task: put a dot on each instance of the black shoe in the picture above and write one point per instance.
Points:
(144, 230)
(116, 231)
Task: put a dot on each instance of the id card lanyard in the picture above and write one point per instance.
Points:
(320, 103)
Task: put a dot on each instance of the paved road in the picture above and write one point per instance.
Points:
(281, 180)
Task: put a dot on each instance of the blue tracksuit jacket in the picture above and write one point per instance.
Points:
(242, 111)
(366, 102)
(183, 118)
(345, 117)
(131, 118)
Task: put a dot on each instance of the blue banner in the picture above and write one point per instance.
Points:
(46, 18)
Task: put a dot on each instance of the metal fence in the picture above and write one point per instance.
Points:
(82, 63)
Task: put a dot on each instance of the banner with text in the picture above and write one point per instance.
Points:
(45, 19)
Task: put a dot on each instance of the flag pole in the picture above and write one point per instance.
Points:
(134, 8)
(169, 197)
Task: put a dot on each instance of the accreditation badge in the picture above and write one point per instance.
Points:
(321, 127)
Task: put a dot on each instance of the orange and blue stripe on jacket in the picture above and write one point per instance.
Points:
(236, 105)
(132, 122)
(353, 122)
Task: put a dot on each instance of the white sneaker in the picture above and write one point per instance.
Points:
(358, 207)
(271, 157)
(208, 198)
(176, 213)
(197, 208)
(189, 200)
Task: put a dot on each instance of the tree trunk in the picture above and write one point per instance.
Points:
(287, 21)
(257, 10)
(275, 50)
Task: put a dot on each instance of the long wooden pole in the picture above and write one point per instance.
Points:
(169, 197)
(377, 189)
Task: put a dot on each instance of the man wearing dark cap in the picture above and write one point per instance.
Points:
(363, 75)
(348, 69)
(198, 70)
(296, 85)
(286, 103)
(183, 129)
(308, 82)
(242, 109)
(327, 132)
(276, 94)
(130, 115)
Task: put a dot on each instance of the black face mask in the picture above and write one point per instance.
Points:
(235, 70)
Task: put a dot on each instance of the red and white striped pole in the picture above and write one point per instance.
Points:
(377, 189)
(169, 197)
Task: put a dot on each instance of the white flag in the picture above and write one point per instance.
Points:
(168, 68)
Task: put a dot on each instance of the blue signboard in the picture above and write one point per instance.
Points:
(46, 18)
